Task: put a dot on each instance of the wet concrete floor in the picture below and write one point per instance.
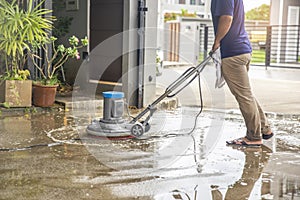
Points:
(48, 155)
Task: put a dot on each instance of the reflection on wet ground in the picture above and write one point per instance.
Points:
(49, 156)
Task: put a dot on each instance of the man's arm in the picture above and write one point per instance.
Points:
(224, 25)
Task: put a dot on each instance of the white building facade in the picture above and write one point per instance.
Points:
(178, 40)
(285, 20)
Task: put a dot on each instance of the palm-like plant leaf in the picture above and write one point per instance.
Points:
(20, 28)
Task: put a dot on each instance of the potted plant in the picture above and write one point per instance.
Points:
(44, 89)
(19, 29)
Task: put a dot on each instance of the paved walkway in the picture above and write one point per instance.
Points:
(277, 89)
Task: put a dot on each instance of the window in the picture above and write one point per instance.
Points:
(193, 2)
(181, 1)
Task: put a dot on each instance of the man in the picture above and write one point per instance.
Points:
(231, 37)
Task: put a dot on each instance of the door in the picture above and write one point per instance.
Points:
(106, 20)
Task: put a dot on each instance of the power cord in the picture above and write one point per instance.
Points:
(29, 147)
(196, 117)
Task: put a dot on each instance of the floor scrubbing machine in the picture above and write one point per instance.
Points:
(114, 125)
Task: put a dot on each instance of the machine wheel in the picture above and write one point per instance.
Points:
(147, 126)
(137, 130)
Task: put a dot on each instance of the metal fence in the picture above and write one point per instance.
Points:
(273, 46)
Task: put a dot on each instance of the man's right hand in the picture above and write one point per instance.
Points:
(215, 46)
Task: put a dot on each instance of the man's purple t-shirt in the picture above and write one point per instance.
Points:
(236, 41)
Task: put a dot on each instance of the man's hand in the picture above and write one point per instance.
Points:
(215, 46)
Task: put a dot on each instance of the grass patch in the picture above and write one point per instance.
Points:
(258, 56)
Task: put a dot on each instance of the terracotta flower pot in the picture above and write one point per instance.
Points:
(44, 95)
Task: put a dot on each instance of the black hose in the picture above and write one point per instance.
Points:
(29, 147)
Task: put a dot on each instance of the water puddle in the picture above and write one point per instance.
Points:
(52, 150)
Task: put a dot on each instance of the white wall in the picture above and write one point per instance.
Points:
(150, 52)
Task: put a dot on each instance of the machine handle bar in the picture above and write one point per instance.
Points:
(187, 74)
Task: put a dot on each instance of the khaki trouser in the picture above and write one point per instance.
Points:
(235, 72)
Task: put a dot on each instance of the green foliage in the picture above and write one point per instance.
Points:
(19, 75)
(170, 16)
(259, 13)
(173, 16)
(61, 26)
(60, 55)
(48, 81)
(26, 110)
(158, 60)
(33, 110)
(258, 56)
(19, 29)
(5, 105)
(63, 23)
(185, 13)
